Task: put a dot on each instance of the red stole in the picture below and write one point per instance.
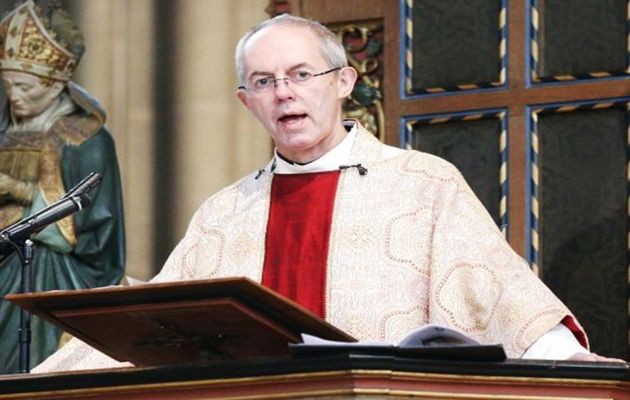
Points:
(571, 323)
(298, 233)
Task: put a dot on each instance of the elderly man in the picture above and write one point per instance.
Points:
(375, 239)
(51, 136)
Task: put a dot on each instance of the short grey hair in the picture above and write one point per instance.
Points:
(330, 46)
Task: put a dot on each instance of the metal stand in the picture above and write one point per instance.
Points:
(26, 286)
(16, 239)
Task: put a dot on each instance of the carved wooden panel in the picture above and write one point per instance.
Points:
(580, 230)
(579, 39)
(363, 41)
(449, 50)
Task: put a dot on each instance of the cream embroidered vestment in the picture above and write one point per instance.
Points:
(410, 244)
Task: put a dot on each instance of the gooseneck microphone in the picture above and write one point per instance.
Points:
(74, 200)
(85, 186)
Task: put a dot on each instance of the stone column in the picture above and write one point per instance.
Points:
(164, 73)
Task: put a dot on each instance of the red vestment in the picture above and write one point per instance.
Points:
(298, 233)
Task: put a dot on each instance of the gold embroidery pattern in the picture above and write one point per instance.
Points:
(51, 185)
(3, 35)
(73, 131)
(35, 48)
(10, 213)
(35, 157)
(29, 47)
(19, 158)
(22, 164)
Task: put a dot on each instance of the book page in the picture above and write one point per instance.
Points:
(436, 335)
(317, 341)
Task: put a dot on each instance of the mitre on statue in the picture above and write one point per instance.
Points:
(40, 39)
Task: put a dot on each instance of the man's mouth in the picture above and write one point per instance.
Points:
(291, 118)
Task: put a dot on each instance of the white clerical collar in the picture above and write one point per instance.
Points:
(339, 155)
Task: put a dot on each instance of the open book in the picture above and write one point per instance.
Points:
(431, 341)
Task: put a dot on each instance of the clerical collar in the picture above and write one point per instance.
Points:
(339, 155)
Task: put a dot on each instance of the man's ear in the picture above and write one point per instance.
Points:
(242, 96)
(347, 78)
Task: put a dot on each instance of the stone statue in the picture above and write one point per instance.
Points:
(52, 135)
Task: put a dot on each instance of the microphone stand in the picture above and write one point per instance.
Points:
(26, 286)
(17, 238)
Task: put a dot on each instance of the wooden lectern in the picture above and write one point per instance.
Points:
(180, 322)
(227, 339)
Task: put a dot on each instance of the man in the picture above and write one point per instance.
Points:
(52, 135)
(375, 239)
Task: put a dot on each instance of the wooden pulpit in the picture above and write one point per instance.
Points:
(229, 339)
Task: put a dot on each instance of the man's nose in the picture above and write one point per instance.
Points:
(282, 89)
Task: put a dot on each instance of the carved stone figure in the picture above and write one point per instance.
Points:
(52, 134)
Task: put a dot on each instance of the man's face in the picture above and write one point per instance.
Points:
(303, 120)
(27, 95)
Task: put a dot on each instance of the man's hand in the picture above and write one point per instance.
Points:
(594, 357)
(16, 190)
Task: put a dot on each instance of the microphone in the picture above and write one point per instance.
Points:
(36, 222)
(86, 185)
(362, 170)
(74, 200)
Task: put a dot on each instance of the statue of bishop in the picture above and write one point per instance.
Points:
(52, 135)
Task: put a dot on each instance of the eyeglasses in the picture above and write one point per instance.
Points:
(297, 77)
